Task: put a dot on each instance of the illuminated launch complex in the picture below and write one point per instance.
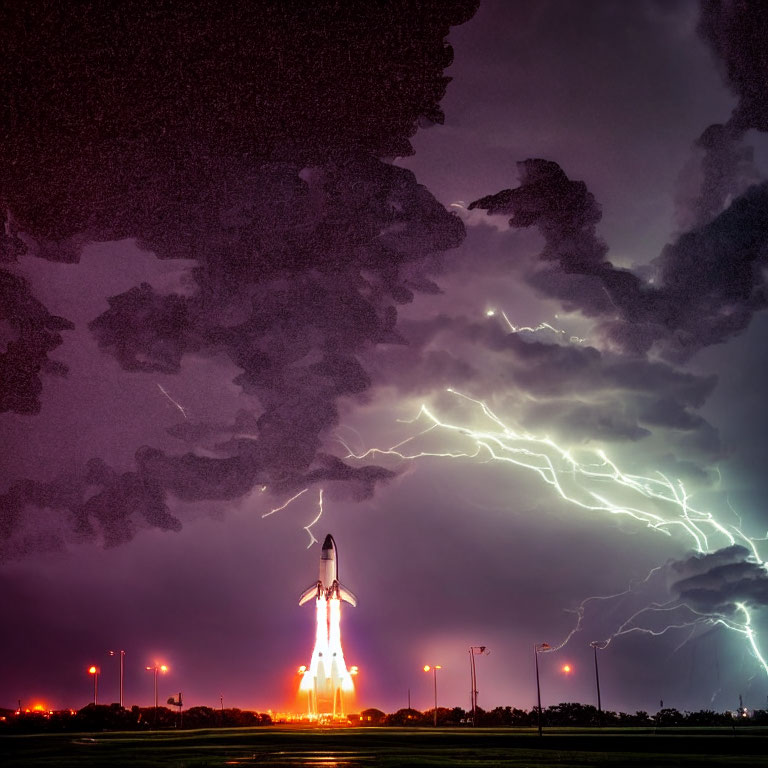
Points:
(327, 678)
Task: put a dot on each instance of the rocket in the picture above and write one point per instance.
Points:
(328, 577)
(327, 678)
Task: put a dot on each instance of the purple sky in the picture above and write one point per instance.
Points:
(309, 298)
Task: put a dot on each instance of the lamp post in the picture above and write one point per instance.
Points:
(598, 645)
(434, 669)
(121, 654)
(473, 650)
(537, 649)
(94, 670)
(157, 668)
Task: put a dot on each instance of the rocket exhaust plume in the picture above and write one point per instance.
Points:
(327, 679)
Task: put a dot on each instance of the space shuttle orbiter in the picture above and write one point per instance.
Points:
(328, 577)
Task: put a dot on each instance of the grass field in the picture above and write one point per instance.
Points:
(352, 747)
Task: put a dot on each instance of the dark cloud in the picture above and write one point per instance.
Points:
(330, 292)
(715, 583)
(95, 503)
(727, 170)
(712, 279)
(99, 504)
(737, 30)
(120, 118)
(11, 245)
(707, 284)
(146, 331)
(30, 332)
(250, 139)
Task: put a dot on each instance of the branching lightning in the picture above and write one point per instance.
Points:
(307, 528)
(534, 329)
(595, 484)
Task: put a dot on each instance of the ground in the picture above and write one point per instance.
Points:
(389, 747)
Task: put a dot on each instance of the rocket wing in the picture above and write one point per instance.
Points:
(309, 593)
(345, 594)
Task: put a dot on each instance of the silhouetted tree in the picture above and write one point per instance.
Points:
(372, 716)
(405, 717)
(458, 715)
(708, 717)
(668, 716)
(201, 717)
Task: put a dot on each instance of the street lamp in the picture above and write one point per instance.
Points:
(434, 669)
(598, 645)
(537, 649)
(473, 650)
(122, 662)
(93, 670)
(157, 668)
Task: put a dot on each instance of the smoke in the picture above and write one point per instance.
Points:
(253, 139)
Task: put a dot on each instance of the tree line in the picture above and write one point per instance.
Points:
(113, 717)
(566, 714)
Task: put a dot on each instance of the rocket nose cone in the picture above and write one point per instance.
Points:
(329, 543)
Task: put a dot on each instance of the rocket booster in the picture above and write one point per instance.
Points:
(327, 584)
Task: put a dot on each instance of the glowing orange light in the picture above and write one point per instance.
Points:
(38, 708)
(93, 670)
(353, 670)
(427, 667)
(163, 668)
(567, 668)
(302, 669)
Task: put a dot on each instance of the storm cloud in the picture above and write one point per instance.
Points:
(29, 333)
(706, 286)
(717, 582)
(254, 140)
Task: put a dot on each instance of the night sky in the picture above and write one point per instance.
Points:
(244, 246)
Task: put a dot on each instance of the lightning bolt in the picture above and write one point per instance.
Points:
(590, 483)
(162, 389)
(307, 528)
(534, 329)
(285, 504)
